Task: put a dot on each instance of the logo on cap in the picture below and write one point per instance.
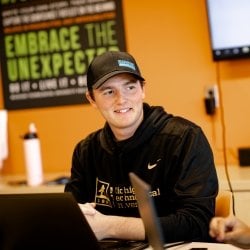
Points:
(124, 63)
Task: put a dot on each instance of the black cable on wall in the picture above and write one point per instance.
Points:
(223, 124)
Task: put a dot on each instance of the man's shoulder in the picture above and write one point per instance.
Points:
(90, 138)
(177, 125)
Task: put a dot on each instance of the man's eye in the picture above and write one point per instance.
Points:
(108, 92)
(132, 85)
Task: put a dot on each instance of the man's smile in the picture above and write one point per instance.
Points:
(125, 110)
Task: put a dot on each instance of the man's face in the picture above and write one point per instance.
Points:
(120, 101)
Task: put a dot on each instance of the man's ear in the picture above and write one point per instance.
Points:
(90, 99)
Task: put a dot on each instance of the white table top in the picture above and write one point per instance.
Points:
(201, 246)
(16, 184)
(239, 176)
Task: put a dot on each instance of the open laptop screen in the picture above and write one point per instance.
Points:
(147, 212)
(50, 221)
(43, 221)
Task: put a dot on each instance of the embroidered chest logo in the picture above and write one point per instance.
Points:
(151, 166)
(101, 196)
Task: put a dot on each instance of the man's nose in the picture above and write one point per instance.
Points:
(120, 96)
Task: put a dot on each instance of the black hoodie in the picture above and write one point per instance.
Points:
(170, 153)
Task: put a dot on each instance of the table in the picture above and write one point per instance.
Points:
(239, 176)
(209, 246)
(202, 246)
(16, 184)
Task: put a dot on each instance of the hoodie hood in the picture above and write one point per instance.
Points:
(155, 118)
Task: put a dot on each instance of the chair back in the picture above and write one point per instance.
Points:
(224, 203)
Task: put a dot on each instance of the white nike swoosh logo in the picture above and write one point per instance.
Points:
(151, 166)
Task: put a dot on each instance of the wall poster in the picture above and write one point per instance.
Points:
(46, 47)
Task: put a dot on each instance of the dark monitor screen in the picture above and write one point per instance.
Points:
(229, 25)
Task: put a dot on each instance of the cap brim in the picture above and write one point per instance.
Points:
(107, 76)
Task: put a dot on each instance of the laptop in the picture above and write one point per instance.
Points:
(148, 214)
(49, 221)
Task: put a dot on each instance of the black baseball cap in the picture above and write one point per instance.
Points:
(109, 64)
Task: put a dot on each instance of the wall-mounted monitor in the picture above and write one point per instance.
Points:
(229, 26)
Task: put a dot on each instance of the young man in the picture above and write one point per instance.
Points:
(168, 152)
(230, 230)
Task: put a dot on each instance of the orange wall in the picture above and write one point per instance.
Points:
(170, 41)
